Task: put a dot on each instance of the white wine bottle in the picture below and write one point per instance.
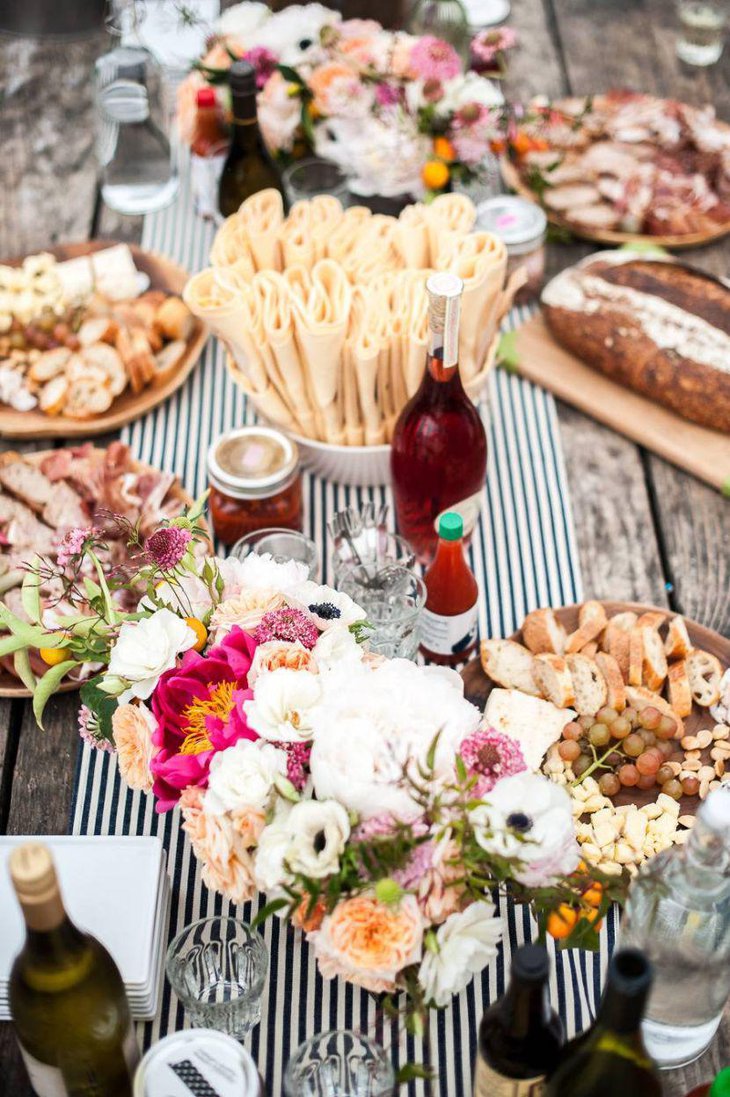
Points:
(67, 997)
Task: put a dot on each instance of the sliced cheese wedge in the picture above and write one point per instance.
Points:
(531, 722)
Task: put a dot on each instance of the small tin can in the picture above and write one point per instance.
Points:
(197, 1060)
(522, 226)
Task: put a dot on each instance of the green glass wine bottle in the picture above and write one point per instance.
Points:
(249, 166)
(610, 1058)
(67, 998)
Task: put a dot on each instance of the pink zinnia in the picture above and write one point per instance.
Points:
(289, 625)
(263, 61)
(489, 43)
(434, 59)
(72, 545)
(167, 546)
(489, 756)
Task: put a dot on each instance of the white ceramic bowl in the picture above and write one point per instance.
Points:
(358, 466)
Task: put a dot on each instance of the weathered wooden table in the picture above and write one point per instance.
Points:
(645, 530)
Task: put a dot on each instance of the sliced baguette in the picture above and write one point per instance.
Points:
(654, 661)
(636, 656)
(554, 679)
(619, 648)
(619, 623)
(639, 697)
(588, 683)
(680, 691)
(542, 632)
(705, 676)
(652, 618)
(510, 665)
(591, 623)
(615, 687)
(590, 649)
(168, 359)
(677, 644)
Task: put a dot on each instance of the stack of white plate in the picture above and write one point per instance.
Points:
(115, 888)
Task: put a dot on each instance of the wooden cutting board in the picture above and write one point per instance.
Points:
(705, 453)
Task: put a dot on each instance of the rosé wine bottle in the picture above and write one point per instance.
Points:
(439, 450)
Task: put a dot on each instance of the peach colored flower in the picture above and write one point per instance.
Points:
(132, 727)
(322, 80)
(401, 64)
(227, 866)
(246, 610)
(362, 50)
(248, 823)
(275, 654)
(437, 892)
(187, 106)
(369, 943)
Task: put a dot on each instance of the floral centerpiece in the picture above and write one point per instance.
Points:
(397, 113)
(363, 796)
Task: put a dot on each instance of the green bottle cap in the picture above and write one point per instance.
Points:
(721, 1086)
(451, 526)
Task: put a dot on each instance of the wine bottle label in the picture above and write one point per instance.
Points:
(46, 1081)
(468, 508)
(490, 1083)
(448, 635)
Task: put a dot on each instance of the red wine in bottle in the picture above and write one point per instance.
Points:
(439, 449)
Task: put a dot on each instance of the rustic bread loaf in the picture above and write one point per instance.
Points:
(658, 327)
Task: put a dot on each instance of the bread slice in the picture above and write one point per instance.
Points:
(619, 647)
(168, 360)
(677, 644)
(53, 395)
(588, 683)
(639, 697)
(591, 622)
(542, 632)
(554, 679)
(590, 649)
(636, 656)
(654, 661)
(680, 691)
(619, 623)
(509, 664)
(49, 365)
(705, 676)
(652, 619)
(615, 687)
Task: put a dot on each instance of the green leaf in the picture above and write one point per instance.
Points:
(271, 908)
(290, 74)
(101, 704)
(507, 354)
(93, 590)
(21, 662)
(726, 488)
(413, 1071)
(48, 685)
(31, 592)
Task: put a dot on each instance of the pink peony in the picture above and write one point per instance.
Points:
(264, 63)
(434, 59)
(489, 756)
(198, 707)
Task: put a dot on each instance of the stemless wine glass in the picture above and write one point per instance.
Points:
(217, 968)
(283, 545)
(307, 178)
(339, 1064)
(393, 599)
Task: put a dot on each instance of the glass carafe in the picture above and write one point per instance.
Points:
(444, 19)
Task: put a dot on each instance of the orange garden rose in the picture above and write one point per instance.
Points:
(132, 727)
(322, 80)
(227, 864)
(369, 942)
(278, 654)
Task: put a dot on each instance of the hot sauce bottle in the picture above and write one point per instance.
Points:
(439, 449)
(449, 618)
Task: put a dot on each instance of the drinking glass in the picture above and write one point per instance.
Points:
(307, 178)
(217, 968)
(339, 1064)
(392, 599)
(283, 545)
(702, 25)
(370, 552)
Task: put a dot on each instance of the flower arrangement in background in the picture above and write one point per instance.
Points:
(397, 113)
(362, 795)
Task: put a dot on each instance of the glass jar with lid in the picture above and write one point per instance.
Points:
(255, 483)
(522, 226)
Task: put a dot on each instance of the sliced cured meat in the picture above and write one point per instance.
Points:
(600, 215)
(571, 196)
(26, 481)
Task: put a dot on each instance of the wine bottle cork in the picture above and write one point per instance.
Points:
(34, 878)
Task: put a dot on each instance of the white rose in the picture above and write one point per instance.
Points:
(468, 88)
(146, 649)
(529, 818)
(243, 19)
(467, 942)
(282, 705)
(336, 647)
(257, 572)
(319, 831)
(243, 775)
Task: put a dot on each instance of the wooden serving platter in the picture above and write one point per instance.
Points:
(515, 182)
(703, 452)
(478, 685)
(10, 685)
(164, 275)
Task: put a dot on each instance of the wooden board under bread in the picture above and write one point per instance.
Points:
(164, 275)
(478, 685)
(10, 685)
(705, 453)
(515, 182)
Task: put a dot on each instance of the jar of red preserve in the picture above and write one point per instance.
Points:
(255, 482)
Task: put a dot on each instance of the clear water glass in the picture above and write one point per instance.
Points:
(217, 968)
(393, 599)
(702, 24)
(372, 550)
(307, 178)
(283, 545)
(339, 1064)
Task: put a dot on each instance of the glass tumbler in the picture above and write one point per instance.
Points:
(217, 968)
(308, 178)
(282, 545)
(702, 24)
(369, 553)
(393, 599)
(339, 1064)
